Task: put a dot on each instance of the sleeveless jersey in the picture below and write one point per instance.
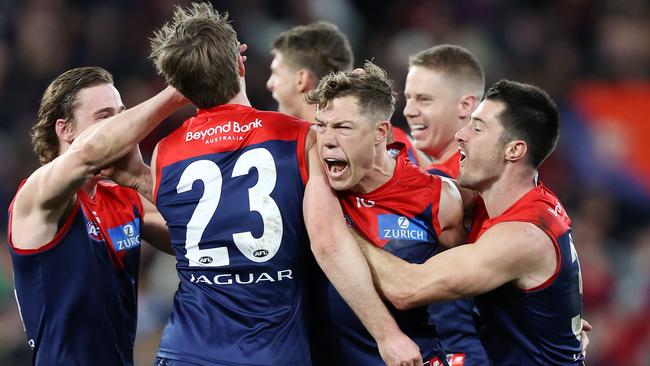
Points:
(457, 320)
(230, 183)
(401, 217)
(400, 135)
(449, 168)
(77, 293)
(542, 325)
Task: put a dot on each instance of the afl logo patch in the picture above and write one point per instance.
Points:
(260, 253)
(93, 231)
(205, 260)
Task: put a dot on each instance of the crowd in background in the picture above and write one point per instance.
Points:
(565, 47)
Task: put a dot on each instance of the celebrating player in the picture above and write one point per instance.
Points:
(388, 201)
(230, 185)
(523, 263)
(75, 237)
(443, 87)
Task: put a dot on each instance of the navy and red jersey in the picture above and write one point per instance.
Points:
(77, 293)
(449, 168)
(230, 183)
(457, 320)
(542, 325)
(401, 217)
(400, 135)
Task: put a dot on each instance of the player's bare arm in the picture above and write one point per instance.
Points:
(450, 215)
(49, 192)
(340, 258)
(511, 251)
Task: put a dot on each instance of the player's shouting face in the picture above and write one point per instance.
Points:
(482, 144)
(346, 142)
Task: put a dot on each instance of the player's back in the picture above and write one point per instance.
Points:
(230, 183)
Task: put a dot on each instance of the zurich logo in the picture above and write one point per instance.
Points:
(128, 230)
(403, 222)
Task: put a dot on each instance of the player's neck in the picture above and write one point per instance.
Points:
(508, 189)
(445, 154)
(90, 187)
(240, 98)
(307, 112)
(380, 173)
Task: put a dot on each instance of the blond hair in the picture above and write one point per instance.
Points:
(372, 88)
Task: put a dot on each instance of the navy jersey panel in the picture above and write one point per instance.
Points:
(400, 217)
(236, 225)
(457, 321)
(78, 297)
(540, 326)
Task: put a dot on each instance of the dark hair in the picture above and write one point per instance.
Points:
(319, 47)
(58, 102)
(372, 88)
(529, 115)
(197, 53)
(454, 61)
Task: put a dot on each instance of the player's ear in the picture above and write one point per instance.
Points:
(306, 81)
(64, 129)
(515, 150)
(466, 105)
(382, 131)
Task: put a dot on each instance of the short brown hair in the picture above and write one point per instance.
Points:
(197, 53)
(372, 88)
(529, 114)
(455, 61)
(58, 102)
(319, 47)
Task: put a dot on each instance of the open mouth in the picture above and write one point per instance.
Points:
(462, 155)
(335, 167)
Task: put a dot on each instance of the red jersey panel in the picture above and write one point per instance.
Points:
(449, 168)
(400, 135)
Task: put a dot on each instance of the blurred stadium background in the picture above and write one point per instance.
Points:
(592, 56)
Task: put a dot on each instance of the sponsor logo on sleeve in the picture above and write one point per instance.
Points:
(400, 227)
(126, 236)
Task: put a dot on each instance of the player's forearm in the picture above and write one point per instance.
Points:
(390, 274)
(111, 139)
(408, 285)
(344, 265)
(349, 274)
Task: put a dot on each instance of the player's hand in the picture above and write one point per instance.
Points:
(586, 327)
(242, 48)
(400, 350)
(178, 98)
(129, 171)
